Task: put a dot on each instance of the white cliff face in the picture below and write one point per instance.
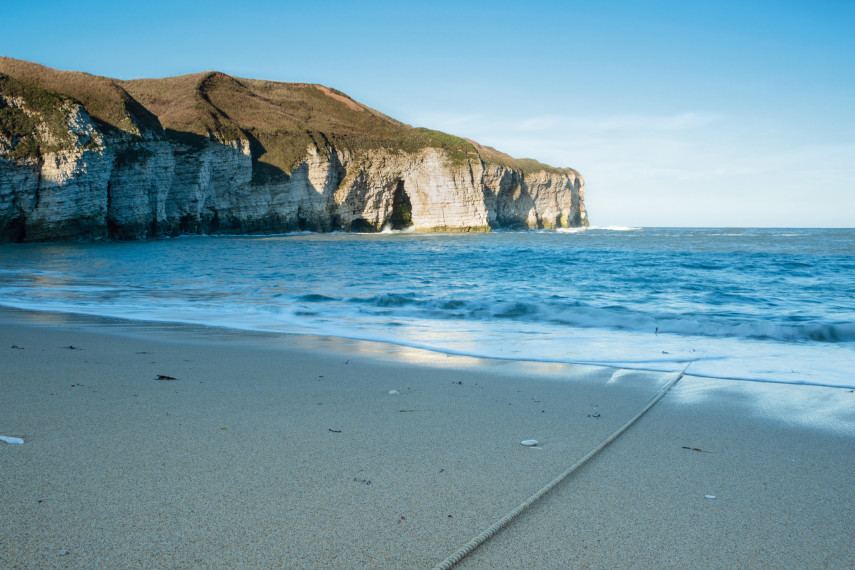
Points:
(114, 186)
(446, 197)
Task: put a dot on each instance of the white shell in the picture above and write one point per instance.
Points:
(529, 442)
(709, 496)
(9, 439)
(393, 392)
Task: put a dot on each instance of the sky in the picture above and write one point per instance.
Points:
(676, 113)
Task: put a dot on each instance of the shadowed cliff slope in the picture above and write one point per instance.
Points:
(94, 157)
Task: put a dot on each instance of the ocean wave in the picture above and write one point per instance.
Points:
(602, 228)
(253, 236)
(388, 230)
(614, 317)
(386, 300)
(315, 298)
(617, 228)
(761, 330)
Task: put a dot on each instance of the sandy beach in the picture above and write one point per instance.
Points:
(160, 445)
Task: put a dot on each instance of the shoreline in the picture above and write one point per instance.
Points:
(136, 326)
(261, 451)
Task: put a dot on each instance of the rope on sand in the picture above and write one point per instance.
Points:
(470, 546)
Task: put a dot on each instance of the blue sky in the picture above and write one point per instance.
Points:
(683, 113)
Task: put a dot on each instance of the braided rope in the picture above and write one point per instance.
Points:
(470, 546)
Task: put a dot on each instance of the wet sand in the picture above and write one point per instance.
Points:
(288, 451)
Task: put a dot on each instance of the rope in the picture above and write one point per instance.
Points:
(470, 546)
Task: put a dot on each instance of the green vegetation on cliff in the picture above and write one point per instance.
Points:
(22, 108)
(105, 100)
(280, 120)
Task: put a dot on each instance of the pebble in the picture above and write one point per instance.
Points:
(529, 442)
(394, 392)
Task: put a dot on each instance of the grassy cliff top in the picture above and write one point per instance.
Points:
(279, 119)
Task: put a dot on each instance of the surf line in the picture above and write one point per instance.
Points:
(470, 546)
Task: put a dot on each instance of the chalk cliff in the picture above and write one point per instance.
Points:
(87, 157)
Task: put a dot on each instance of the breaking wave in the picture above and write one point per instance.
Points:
(615, 317)
(603, 228)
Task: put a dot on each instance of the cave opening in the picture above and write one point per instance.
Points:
(362, 226)
(402, 209)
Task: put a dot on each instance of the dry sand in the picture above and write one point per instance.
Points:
(288, 451)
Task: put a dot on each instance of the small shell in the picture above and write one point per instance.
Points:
(9, 439)
(393, 392)
(529, 442)
(709, 496)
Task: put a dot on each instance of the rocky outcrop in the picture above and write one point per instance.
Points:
(88, 181)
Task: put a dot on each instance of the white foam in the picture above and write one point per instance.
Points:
(387, 229)
(617, 228)
(602, 228)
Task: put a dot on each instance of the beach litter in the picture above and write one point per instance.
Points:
(9, 439)
(529, 442)
(165, 377)
(394, 392)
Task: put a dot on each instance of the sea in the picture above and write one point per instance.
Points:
(770, 305)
